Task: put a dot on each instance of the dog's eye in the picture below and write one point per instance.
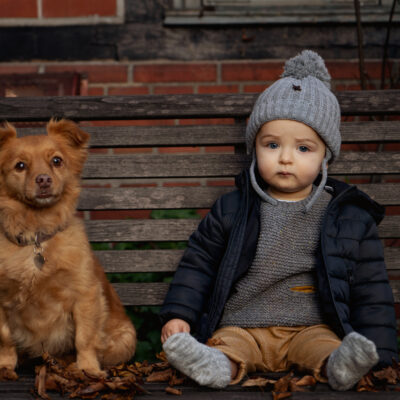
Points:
(57, 161)
(20, 166)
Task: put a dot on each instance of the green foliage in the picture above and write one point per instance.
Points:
(173, 214)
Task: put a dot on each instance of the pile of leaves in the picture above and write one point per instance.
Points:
(127, 380)
(383, 380)
(122, 382)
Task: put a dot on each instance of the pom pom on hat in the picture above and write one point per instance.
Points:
(307, 63)
(302, 94)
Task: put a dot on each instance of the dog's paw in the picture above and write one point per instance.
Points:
(7, 374)
(95, 373)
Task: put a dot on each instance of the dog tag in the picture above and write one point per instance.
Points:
(39, 260)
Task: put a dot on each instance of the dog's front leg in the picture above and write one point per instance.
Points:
(8, 352)
(89, 321)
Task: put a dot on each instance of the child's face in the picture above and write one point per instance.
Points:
(289, 158)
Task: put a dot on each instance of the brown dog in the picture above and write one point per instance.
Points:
(54, 296)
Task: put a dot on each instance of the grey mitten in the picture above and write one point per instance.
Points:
(351, 361)
(205, 365)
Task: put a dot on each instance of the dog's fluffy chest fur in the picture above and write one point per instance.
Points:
(38, 303)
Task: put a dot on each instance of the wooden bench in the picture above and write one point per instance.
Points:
(371, 123)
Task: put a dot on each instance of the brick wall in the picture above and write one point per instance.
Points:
(162, 77)
(50, 12)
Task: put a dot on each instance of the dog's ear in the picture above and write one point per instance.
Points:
(7, 132)
(69, 130)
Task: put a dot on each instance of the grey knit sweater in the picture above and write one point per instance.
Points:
(279, 288)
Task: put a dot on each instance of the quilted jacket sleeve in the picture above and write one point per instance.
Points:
(372, 311)
(193, 281)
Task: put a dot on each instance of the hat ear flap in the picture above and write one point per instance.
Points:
(7, 132)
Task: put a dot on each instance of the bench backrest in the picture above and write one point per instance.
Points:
(121, 155)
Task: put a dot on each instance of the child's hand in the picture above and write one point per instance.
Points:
(174, 326)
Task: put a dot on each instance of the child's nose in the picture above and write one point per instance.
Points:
(285, 156)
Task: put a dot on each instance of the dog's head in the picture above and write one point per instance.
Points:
(39, 170)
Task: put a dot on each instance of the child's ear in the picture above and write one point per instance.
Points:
(69, 130)
(7, 132)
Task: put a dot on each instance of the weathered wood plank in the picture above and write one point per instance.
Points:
(153, 294)
(179, 229)
(191, 197)
(150, 198)
(213, 135)
(369, 102)
(133, 261)
(128, 261)
(215, 165)
(141, 294)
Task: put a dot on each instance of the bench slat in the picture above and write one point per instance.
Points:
(197, 135)
(191, 197)
(179, 229)
(214, 165)
(153, 294)
(368, 102)
(128, 261)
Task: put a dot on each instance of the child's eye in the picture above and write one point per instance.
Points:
(272, 145)
(304, 149)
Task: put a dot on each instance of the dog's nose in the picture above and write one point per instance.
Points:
(44, 181)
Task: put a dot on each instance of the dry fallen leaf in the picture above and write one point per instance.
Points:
(282, 384)
(281, 395)
(160, 376)
(171, 390)
(260, 382)
(306, 380)
(7, 374)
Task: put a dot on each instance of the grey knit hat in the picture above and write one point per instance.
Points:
(302, 94)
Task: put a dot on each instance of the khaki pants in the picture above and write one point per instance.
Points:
(277, 349)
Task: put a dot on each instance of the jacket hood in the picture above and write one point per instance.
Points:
(341, 192)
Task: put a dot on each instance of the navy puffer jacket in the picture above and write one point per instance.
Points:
(353, 285)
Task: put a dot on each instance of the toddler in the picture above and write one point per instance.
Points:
(288, 270)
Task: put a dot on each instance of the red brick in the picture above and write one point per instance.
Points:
(173, 90)
(120, 214)
(132, 150)
(180, 184)
(98, 151)
(254, 88)
(392, 147)
(18, 9)
(359, 147)
(18, 69)
(259, 71)
(392, 210)
(220, 149)
(351, 70)
(174, 150)
(79, 214)
(225, 182)
(392, 242)
(137, 185)
(175, 73)
(218, 89)
(128, 90)
(95, 91)
(96, 185)
(203, 212)
(96, 73)
(78, 8)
